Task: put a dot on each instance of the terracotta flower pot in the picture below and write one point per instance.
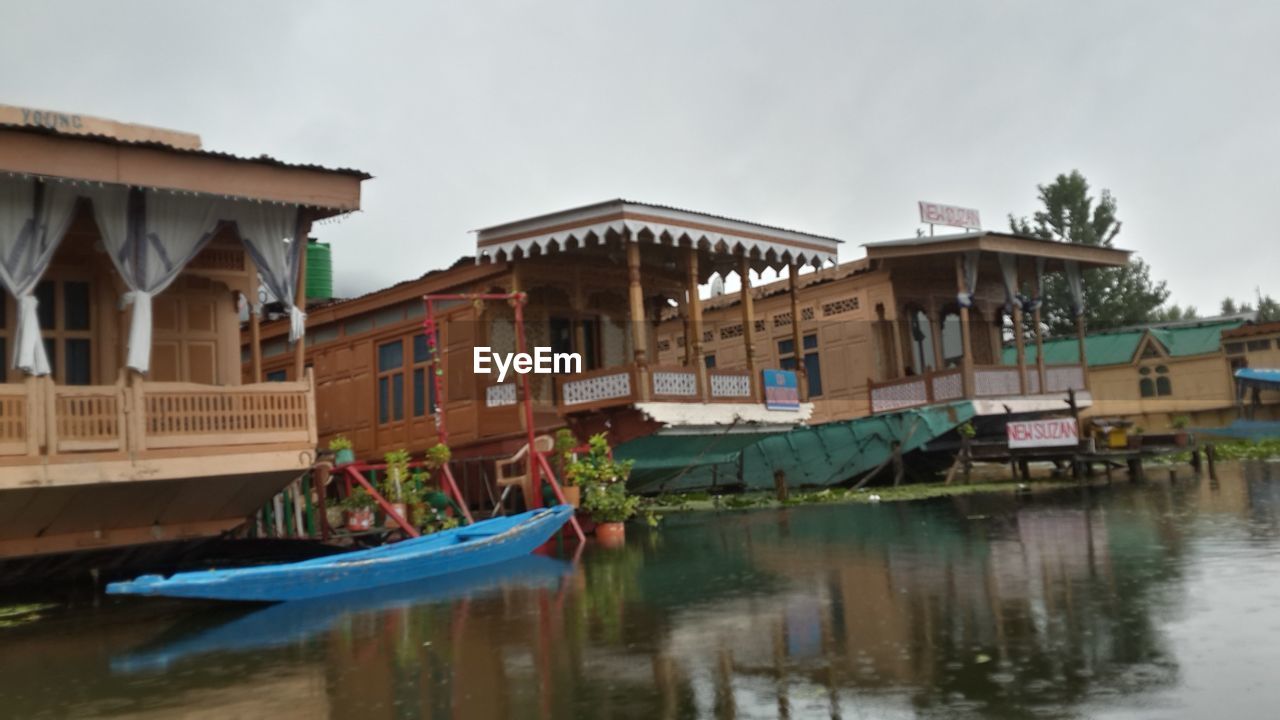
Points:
(572, 495)
(360, 520)
(400, 509)
(611, 534)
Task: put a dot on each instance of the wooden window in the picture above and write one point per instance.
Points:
(66, 323)
(709, 360)
(1258, 345)
(1147, 387)
(812, 361)
(391, 382)
(277, 376)
(424, 387)
(1234, 348)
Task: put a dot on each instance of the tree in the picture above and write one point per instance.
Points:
(1174, 313)
(1268, 308)
(1113, 297)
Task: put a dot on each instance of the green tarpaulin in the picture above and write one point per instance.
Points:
(822, 455)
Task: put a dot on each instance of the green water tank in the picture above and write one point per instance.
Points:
(319, 270)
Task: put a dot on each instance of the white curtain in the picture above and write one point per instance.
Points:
(1075, 286)
(970, 268)
(1009, 273)
(269, 235)
(149, 255)
(34, 217)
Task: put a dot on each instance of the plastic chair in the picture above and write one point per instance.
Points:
(515, 470)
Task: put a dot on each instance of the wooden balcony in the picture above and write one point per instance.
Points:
(39, 419)
(622, 385)
(991, 381)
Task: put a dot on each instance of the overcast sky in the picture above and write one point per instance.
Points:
(828, 117)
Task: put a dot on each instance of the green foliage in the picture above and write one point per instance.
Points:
(609, 502)
(359, 499)
(1174, 313)
(1113, 297)
(967, 430)
(438, 456)
(340, 443)
(597, 466)
(397, 473)
(1180, 422)
(1268, 308)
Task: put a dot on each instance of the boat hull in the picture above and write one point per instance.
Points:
(484, 543)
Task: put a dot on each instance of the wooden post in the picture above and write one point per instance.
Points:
(1084, 363)
(966, 339)
(749, 322)
(797, 334)
(1211, 457)
(255, 343)
(898, 468)
(1019, 343)
(1039, 333)
(639, 339)
(693, 343)
(780, 484)
(300, 294)
(323, 471)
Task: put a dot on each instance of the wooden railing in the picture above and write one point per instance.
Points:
(38, 416)
(598, 388)
(988, 381)
(616, 386)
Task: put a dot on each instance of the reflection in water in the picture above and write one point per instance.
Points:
(1089, 602)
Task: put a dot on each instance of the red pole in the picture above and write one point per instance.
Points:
(382, 502)
(532, 458)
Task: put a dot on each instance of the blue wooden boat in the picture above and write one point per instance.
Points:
(484, 543)
(296, 623)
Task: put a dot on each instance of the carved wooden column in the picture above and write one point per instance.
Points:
(693, 341)
(748, 321)
(1019, 342)
(797, 335)
(1035, 318)
(966, 338)
(255, 342)
(639, 341)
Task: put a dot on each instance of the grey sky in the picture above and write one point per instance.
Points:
(828, 117)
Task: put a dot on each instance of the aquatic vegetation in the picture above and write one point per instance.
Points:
(15, 615)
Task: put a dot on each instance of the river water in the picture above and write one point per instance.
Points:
(1159, 599)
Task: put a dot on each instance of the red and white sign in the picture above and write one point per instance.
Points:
(1052, 432)
(935, 214)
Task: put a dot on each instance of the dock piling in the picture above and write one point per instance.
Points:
(1210, 455)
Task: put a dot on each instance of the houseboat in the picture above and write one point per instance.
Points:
(595, 282)
(126, 251)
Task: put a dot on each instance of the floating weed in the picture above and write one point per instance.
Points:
(15, 615)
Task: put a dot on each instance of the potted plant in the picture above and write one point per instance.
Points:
(596, 467)
(393, 487)
(1134, 438)
(565, 442)
(359, 507)
(342, 452)
(1180, 435)
(610, 506)
(438, 456)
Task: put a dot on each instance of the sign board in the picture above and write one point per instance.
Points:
(76, 124)
(935, 214)
(1049, 432)
(781, 390)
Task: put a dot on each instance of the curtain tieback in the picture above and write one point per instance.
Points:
(28, 347)
(297, 323)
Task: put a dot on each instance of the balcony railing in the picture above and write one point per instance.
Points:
(622, 385)
(988, 382)
(38, 417)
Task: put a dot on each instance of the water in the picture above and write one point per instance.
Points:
(1154, 600)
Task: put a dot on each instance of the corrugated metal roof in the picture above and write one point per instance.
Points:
(1117, 347)
(260, 160)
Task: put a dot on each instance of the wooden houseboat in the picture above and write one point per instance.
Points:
(597, 281)
(124, 252)
(916, 322)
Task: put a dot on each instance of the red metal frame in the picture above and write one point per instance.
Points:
(432, 329)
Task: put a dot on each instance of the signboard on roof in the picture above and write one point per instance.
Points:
(936, 214)
(781, 390)
(1050, 432)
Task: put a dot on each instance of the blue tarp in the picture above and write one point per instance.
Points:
(1268, 377)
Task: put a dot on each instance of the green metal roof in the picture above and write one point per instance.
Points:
(1116, 347)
